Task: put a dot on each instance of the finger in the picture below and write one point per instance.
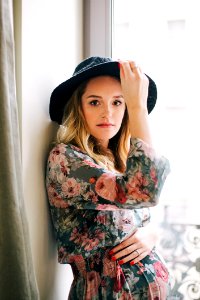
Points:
(125, 68)
(121, 70)
(129, 241)
(133, 66)
(139, 258)
(133, 256)
(125, 252)
(136, 249)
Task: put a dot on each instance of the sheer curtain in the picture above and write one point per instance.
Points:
(17, 278)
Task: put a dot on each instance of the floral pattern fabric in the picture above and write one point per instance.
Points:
(94, 209)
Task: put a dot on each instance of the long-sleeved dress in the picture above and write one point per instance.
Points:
(94, 209)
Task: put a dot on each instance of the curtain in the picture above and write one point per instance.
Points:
(17, 278)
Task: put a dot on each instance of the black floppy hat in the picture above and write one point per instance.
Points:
(91, 67)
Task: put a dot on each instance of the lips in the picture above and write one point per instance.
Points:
(105, 125)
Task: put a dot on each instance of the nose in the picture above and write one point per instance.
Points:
(106, 111)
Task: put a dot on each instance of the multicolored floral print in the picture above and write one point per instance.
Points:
(75, 177)
(94, 209)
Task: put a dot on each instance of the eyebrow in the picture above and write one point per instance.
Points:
(96, 96)
(93, 96)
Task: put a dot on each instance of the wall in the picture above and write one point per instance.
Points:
(51, 46)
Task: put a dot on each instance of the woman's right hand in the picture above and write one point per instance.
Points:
(135, 92)
(134, 85)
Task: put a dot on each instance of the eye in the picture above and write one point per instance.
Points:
(94, 102)
(117, 102)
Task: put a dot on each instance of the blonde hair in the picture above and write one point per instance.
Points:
(74, 131)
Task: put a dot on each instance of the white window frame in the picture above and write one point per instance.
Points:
(97, 28)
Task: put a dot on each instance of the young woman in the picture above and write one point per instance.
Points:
(102, 177)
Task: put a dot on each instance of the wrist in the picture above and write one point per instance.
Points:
(137, 109)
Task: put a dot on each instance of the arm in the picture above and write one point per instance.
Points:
(74, 179)
(135, 91)
(80, 204)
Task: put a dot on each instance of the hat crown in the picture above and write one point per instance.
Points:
(90, 63)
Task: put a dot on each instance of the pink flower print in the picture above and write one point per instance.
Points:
(55, 199)
(93, 282)
(64, 167)
(126, 296)
(153, 291)
(109, 267)
(141, 268)
(121, 196)
(84, 240)
(71, 188)
(94, 241)
(106, 207)
(56, 155)
(79, 262)
(102, 219)
(91, 164)
(157, 289)
(106, 186)
(62, 255)
(148, 150)
(161, 271)
(60, 203)
(154, 176)
(136, 188)
(56, 176)
(125, 224)
(91, 196)
(51, 192)
(90, 244)
(77, 237)
(119, 280)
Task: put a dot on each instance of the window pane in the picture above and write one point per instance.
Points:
(163, 37)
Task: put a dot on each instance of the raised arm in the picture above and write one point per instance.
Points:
(74, 179)
(135, 91)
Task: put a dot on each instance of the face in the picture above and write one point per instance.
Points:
(103, 107)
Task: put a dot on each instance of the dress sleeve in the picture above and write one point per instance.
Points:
(73, 179)
(93, 209)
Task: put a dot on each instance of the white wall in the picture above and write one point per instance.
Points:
(51, 47)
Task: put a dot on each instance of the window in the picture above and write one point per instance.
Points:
(162, 36)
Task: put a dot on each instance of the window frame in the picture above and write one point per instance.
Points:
(98, 27)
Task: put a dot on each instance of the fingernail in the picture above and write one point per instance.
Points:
(111, 252)
(120, 262)
(132, 263)
(113, 258)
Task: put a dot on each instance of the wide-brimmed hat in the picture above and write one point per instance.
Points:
(89, 68)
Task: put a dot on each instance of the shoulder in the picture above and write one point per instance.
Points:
(67, 151)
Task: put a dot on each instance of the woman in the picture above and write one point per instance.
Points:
(102, 177)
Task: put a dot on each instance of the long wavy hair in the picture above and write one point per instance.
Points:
(74, 131)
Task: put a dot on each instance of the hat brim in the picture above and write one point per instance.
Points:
(62, 93)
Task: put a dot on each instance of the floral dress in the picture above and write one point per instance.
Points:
(94, 209)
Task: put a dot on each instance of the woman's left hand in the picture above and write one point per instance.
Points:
(136, 247)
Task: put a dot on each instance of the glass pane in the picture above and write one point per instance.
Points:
(162, 36)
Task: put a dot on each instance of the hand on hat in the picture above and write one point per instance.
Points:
(134, 85)
(135, 91)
